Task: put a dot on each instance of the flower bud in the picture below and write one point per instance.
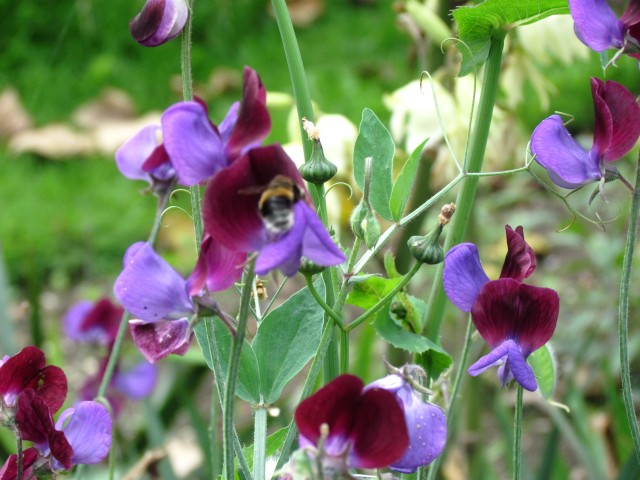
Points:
(357, 217)
(159, 21)
(371, 229)
(307, 267)
(318, 169)
(427, 249)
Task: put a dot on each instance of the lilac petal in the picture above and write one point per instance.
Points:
(194, 147)
(149, 288)
(72, 322)
(518, 368)
(463, 275)
(427, 428)
(520, 261)
(158, 339)
(218, 268)
(492, 359)
(132, 155)
(226, 126)
(567, 163)
(617, 125)
(317, 244)
(595, 24)
(138, 382)
(159, 21)
(88, 430)
(98, 324)
(286, 251)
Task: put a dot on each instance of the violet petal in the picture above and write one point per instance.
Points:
(159, 21)
(87, 428)
(492, 359)
(595, 24)
(317, 244)
(138, 382)
(287, 249)
(132, 155)
(517, 366)
(158, 339)
(463, 275)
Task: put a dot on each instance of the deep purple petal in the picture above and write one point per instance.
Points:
(631, 16)
(567, 163)
(595, 24)
(333, 404)
(158, 339)
(194, 147)
(317, 244)
(379, 433)
(159, 21)
(617, 119)
(507, 309)
(520, 261)
(138, 382)
(253, 122)
(9, 471)
(218, 268)
(463, 275)
(87, 427)
(149, 288)
(132, 155)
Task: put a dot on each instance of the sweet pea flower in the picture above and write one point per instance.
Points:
(426, 424)
(352, 427)
(597, 27)
(617, 128)
(232, 217)
(159, 21)
(93, 322)
(9, 471)
(513, 318)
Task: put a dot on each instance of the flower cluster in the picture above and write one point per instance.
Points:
(255, 201)
(30, 393)
(514, 318)
(347, 425)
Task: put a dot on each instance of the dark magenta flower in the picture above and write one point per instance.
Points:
(597, 26)
(28, 370)
(259, 203)
(363, 428)
(617, 128)
(93, 322)
(426, 424)
(9, 471)
(218, 268)
(159, 21)
(513, 318)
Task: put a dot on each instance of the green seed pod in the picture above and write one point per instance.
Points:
(318, 169)
(427, 249)
(371, 229)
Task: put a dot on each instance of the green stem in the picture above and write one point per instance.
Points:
(384, 300)
(623, 314)
(473, 164)
(344, 352)
(259, 442)
(234, 368)
(314, 293)
(517, 436)
(18, 455)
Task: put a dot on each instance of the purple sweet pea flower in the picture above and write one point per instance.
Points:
(93, 322)
(426, 424)
(597, 27)
(232, 215)
(159, 21)
(617, 128)
(364, 428)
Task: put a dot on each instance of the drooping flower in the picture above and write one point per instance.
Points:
(93, 322)
(356, 428)
(617, 128)
(426, 424)
(28, 370)
(513, 318)
(597, 27)
(9, 471)
(159, 21)
(259, 203)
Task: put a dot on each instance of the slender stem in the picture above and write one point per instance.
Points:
(334, 316)
(259, 441)
(473, 164)
(185, 57)
(274, 297)
(18, 455)
(234, 368)
(623, 314)
(344, 352)
(457, 382)
(517, 436)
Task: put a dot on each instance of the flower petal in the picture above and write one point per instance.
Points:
(158, 339)
(149, 288)
(492, 359)
(507, 309)
(132, 155)
(463, 275)
(159, 21)
(520, 261)
(194, 147)
(595, 24)
(218, 268)
(9, 471)
(617, 119)
(138, 382)
(98, 325)
(286, 250)
(567, 163)
(87, 428)
(317, 244)
(518, 368)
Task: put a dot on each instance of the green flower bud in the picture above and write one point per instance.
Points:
(371, 229)
(307, 267)
(357, 217)
(427, 249)
(318, 169)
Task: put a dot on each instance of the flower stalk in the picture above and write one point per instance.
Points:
(517, 435)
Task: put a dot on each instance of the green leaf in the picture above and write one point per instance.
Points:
(366, 294)
(413, 311)
(477, 24)
(248, 387)
(544, 368)
(375, 141)
(402, 188)
(287, 338)
(274, 442)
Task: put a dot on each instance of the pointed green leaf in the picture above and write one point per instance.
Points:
(248, 387)
(544, 367)
(366, 294)
(402, 188)
(375, 141)
(477, 24)
(287, 338)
